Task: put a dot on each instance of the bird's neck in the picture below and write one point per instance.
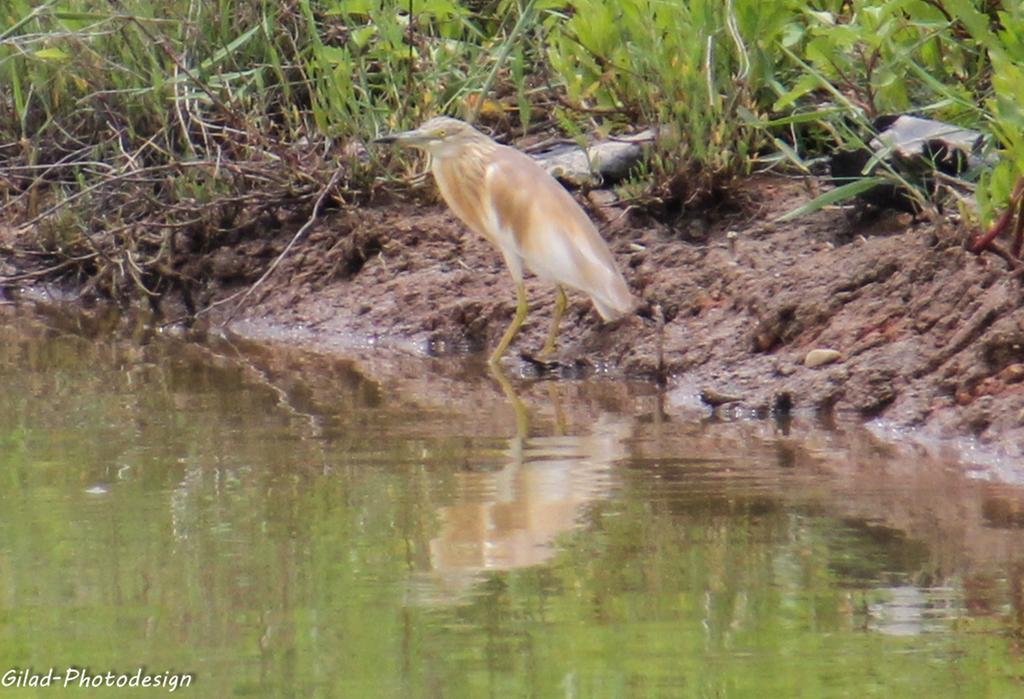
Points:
(460, 177)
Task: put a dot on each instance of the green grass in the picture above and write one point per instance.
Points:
(133, 130)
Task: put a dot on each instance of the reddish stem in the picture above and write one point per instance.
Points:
(1018, 231)
(1003, 221)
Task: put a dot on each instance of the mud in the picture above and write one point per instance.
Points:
(929, 335)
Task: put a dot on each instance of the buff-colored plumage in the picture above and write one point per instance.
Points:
(503, 195)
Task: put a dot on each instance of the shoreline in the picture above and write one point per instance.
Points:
(918, 334)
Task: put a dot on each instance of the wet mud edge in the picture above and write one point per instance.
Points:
(917, 331)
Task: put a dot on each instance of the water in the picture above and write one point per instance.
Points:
(277, 523)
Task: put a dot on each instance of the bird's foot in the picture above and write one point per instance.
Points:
(546, 351)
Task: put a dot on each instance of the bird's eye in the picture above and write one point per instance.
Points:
(441, 133)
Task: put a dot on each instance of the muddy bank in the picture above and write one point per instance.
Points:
(928, 335)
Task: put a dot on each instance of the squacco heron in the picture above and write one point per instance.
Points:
(506, 197)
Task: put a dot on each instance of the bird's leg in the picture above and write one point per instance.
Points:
(556, 318)
(513, 328)
(522, 416)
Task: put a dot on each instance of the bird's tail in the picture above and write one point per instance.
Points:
(615, 300)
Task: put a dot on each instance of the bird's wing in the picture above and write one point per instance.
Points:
(550, 232)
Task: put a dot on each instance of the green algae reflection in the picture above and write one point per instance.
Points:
(284, 533)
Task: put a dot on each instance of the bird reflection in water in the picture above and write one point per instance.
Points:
(512, 517)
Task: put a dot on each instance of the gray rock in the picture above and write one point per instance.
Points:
(603, 162)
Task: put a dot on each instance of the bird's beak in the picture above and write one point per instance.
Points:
(403, 138)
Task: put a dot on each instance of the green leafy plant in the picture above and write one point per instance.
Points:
(952, 60)
(690, 67)
(147, 127)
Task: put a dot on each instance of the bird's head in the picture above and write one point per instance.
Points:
(438, 136)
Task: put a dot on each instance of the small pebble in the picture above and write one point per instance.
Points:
(962, 396)
(1013, 373)
(821, 357)
(783, 368)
